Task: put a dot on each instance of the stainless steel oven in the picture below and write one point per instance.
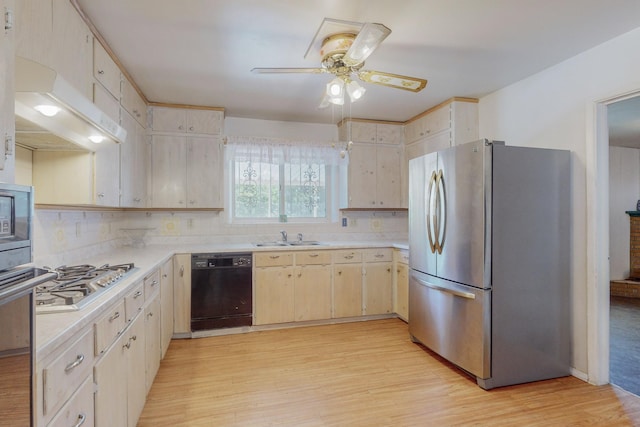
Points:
(16, 213)
(17, 345)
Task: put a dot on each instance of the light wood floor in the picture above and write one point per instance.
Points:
(356, 374)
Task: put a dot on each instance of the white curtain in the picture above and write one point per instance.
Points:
(278, 151)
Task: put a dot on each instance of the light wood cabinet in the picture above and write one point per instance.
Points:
(378, 281)
(61, 375)
(133, 103)
(347, 290)
(370, 132)
(7, 121)
(312, 292)
(182, 120)
(107, 175)
(152, 337)
(79, 410)
(274, 295)
(166, 309)
(134, 301)
(105, 70)
(120, 379)
(134, 164)
(182, 295)
(186, 172)
(109, 326)
(373, 178)
(401, 284)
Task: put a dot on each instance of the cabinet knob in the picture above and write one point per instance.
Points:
(100, 194)
(101, 72)
(180, 127)
(191, 128)
(192, 202)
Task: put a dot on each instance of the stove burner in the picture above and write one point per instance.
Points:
(76, 284)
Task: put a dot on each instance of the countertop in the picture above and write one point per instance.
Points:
(54, 329)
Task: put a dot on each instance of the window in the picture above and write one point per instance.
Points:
(281, 181)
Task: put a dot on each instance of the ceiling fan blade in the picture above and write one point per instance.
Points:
(412, 84)
(367, 40)
(288, 70)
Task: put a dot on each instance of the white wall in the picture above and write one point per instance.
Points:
(551, 109)
(234, 126)
(624, 192)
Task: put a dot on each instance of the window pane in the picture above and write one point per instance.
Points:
(305, 190)
(257, 190)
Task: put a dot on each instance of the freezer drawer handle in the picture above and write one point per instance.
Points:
(467, 295)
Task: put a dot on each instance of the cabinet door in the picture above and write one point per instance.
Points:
(388, 193)
(363, 132)
(182, 295)
(168, 176)
(347, 290)
(402, 291)
(105, 70)
(166, 310)
(152, 339)
(204, 173)
(169, 119)
(110, 375)
(135, 353)
(107, 103)
(361, 179)
(273, 288)
(387, 133)
(378, 288)
(204, 121)
(107, 178)
(133, 102)
(312, 294)
(7, 126)
(133, 164)
(72, 47)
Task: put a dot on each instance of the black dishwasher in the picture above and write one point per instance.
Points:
(221, 295)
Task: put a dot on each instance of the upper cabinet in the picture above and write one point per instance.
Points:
(7, 127)
(451, 123)
(105, 70)
(133, 103)
(186, 120)
(368, 131)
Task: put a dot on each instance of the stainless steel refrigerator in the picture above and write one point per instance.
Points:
(489, 288)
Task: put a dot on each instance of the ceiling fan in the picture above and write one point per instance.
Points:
(343, 54)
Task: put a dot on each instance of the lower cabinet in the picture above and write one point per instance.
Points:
(78, 410)
(401, 284)
(312, 293)
(120, 380)
(347, 283)
(182, 296)
(378, 298)
(153, 350)
(166, 310)
(274, 295)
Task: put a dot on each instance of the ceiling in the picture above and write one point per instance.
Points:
(200, 52)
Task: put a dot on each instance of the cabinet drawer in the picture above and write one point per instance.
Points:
(272, 259)
(109, 327)
(151, 285)
(65, 374)
(79, 409)
(401, 256)
(313, 258)
(134, 301)
(377, 255)
(347, 256)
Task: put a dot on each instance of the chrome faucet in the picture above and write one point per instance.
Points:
(284, 235)
(300, 237)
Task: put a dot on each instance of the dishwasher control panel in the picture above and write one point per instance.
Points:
(220, 260)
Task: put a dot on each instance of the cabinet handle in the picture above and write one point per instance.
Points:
(100, 72)
(137, 294)
(274, 256)
(135, 111)
(379, 256)
(127, 345)
(133, 338)
(289, 275)
(182, 271)
(155, 282)
(115, 316)
(388, 270)
(313, 255)
(150, 315)
(137, 200)
(165, 275)
(339, 273)
(348, 257)
(100, 194)
(81, 419)
(75, 363)
(192, 202)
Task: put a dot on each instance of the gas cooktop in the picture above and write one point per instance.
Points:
(76, 286)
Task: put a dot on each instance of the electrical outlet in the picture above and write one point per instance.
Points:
(344, 222)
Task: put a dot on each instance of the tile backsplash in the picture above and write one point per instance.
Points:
(62, 237)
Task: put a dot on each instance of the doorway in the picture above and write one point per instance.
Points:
(623, 122)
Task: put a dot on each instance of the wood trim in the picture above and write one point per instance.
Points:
(384, 122)
(106, 47)
(185, 106)
(442, 104)
(44, 206)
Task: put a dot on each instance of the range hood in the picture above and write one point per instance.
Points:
(77, 121)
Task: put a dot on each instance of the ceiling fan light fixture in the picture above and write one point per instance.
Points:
(368, 39)
(354, 90)
(335, 91)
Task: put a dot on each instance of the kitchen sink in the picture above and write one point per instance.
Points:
(293, 243)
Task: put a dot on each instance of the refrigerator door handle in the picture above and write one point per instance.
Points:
(429, 211)
(467, 295)
(441, 209)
